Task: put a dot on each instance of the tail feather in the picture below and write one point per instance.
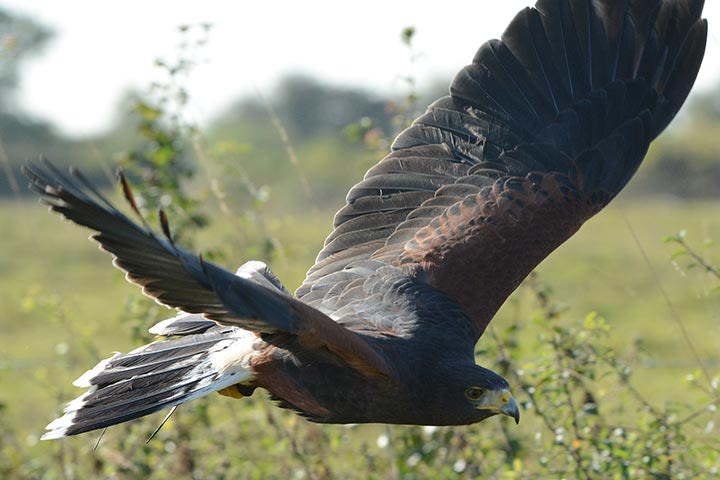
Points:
(182, 324)
(156, 376)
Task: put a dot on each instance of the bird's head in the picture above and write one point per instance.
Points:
(473, 393)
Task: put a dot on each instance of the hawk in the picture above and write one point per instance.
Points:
(537, 135)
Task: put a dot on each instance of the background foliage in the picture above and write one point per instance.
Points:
(619, 382)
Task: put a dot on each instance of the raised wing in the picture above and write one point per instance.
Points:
(179, 279)
(539, 133)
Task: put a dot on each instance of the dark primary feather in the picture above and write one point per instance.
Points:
(538, 134)
(179, 279)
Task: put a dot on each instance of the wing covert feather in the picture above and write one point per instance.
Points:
(540, 132)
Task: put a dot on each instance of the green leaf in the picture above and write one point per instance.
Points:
(147, 112)
(678, 253)
(677, 238)
(407, 35)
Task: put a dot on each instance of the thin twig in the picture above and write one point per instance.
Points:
(297, 451)
(695, 414)
(167, 417)
(671, 307)
(285, 138)
(708, 267)
(575, 452)
(9, 171)
(102, 434)
(631, 388)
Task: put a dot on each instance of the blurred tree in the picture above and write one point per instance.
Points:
(20, 137)
(310, 107)
(314, 116)
(706, 105)
(20, 38)
(684, 162)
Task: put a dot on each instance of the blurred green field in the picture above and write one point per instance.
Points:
(64, 305)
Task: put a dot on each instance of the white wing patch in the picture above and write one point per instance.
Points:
(225, 363)
(233, 355)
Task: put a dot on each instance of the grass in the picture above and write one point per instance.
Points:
(64, 307)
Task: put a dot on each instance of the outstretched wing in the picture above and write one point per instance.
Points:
(538, 134)
(179, 279)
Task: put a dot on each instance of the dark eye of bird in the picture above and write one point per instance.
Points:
(474, 393)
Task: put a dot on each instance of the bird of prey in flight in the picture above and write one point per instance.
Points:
(537, 135)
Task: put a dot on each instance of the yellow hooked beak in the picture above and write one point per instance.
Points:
(500, 401)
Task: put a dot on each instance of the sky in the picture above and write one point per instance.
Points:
(101, 49)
